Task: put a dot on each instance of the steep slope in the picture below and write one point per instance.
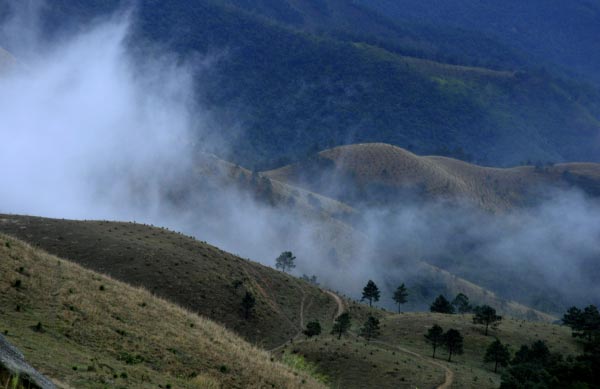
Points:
(212, 282)
(84, 330)
(193, 274)
(387, 170)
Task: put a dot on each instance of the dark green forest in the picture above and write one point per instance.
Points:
(287, 80)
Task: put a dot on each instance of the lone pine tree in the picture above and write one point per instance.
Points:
(486, 315)
(435, 337)
(461, 303)
(400, 295)
(370, 329)
(371, 292)
(341, 325)
(498, 354)
(453, 341)
(285, 261)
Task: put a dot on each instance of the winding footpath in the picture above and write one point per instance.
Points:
(300, 327)
(339, 302)
(449, 374)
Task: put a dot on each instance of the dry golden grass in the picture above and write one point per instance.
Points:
(490, 188)
(291, 197)
(183, 270)
(470, 371)
(99, 332)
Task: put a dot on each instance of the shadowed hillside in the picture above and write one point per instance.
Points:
(193, 274)
(86, 330)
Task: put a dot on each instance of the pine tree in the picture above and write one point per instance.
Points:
(461, 303)
(585, 324)
(285, 261)
(400, 296)
(497, 353)
(370, 329)
(441, 305)
(435, 337)
(370, 292)
(453, 341)
(486, 315)
(341, 325)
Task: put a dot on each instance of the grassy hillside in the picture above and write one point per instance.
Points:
(469, 369)
(180, 269)
(216, 174)
(95, 331)
(86, 330)
(294, 91)
(386, 170)
(400, 357)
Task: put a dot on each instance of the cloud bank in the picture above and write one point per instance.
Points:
(90, 132)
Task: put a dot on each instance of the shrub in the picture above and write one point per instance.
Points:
(313, 328)
(130, 359)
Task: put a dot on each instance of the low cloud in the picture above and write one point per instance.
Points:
(89, 131)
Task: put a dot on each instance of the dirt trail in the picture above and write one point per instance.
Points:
(449, 374)
(301, 326)
(339, 302)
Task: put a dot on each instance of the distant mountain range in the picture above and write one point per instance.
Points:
(294, 77)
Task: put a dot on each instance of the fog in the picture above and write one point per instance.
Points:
(90, 132)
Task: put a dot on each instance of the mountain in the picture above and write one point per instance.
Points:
(487, 226)
(553, 33)
(377, 173)
(282, 86)
(86, 330)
